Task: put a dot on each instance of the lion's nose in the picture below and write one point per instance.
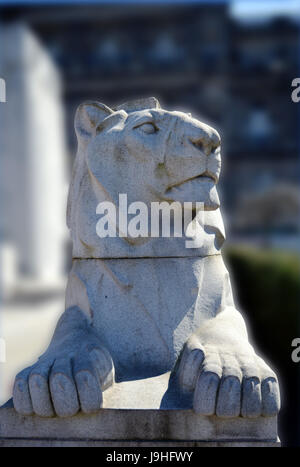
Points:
(207, 140)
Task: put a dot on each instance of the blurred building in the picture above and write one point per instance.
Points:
(263, 127)
(32, 157)
(111, 54)
(33, 192)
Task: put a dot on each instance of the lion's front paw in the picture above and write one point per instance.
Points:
(228, 384)
(61, 384)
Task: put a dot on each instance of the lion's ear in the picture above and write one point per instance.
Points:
(88, 116)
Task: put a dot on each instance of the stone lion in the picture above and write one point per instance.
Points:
(140, 307)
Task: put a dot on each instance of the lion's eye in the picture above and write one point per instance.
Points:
(148, 128)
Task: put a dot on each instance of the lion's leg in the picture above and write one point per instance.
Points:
(70, 376)
(222, 369)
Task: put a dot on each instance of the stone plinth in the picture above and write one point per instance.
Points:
(147, 425)
(136, 427)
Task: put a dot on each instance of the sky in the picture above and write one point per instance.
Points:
(265, 8)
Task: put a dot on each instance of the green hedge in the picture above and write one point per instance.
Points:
(267, 288)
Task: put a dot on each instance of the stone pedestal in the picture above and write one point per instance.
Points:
(152, 424)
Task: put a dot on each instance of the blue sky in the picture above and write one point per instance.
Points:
(265, 8)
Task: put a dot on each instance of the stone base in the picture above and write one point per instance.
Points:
(135, 428)
(50, 443)
(147, 412)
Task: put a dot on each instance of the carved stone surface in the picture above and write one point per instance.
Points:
(137, 308)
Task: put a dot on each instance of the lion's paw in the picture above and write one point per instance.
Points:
(228, 384)
(63, 385)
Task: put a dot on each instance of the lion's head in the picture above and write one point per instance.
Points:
(140, 149)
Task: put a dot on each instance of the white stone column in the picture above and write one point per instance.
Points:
(32, 155)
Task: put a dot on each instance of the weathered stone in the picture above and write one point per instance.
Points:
(140, 309)
(135, 427)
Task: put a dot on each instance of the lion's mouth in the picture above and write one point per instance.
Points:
(207, 175)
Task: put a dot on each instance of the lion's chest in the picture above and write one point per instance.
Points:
(145, 309)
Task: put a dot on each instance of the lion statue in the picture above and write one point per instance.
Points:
(142, 306)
